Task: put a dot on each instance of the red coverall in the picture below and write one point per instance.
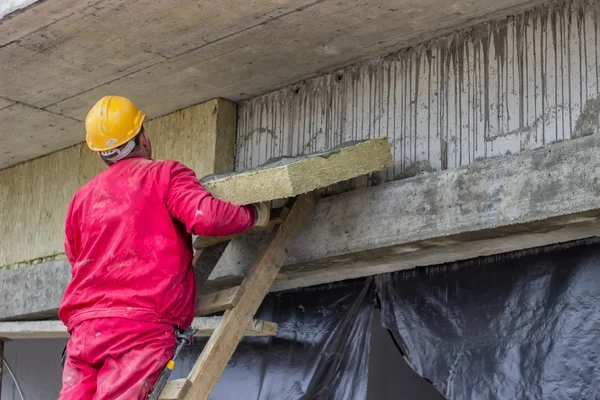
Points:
(128, 240)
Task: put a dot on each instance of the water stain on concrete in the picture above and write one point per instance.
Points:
(588, 122)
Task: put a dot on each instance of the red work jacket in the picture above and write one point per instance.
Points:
(129, 242)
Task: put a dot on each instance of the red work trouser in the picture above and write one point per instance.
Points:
(115, 359)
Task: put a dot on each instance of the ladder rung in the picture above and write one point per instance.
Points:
(259, 327)
(218, 301)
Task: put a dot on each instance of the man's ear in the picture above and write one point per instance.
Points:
(145, 141)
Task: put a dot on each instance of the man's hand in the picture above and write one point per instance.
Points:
(263, 214)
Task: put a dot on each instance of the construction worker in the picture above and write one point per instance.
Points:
(129, 242)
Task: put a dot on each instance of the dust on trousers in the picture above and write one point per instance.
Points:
(115, 359)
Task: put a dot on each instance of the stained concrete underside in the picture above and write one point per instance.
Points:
(536, 198)
(57, 57)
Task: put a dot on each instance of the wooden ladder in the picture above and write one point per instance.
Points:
(240, 303)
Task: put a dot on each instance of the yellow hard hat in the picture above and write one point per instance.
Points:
(112, 122)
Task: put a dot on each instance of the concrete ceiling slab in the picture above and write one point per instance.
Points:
(10, 6)
(62, 73)
(26, 132)
(20, 23)
(111, 39)
(5, 103)
(170, 55)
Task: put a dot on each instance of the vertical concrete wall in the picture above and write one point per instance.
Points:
(502, 87)
(34, 196)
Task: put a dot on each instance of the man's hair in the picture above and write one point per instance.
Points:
(133, 152)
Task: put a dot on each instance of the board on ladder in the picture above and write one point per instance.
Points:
(241, 303)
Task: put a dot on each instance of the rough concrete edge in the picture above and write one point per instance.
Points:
(34, 262)
(402, 257)
(561, 150)
(461, 253)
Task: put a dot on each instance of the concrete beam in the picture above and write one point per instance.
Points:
(56, 330)
(533, 199)
(34, 291)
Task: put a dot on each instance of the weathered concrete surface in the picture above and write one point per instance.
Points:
(540, 197)
(34, 196)
(536, 198)
(34, 291)
(32, 131)
(499, 88)
(5, 103)
(289, 177)
(62, 56)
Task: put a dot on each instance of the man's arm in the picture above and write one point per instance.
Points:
(202, 213)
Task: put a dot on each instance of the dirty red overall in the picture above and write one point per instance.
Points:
(128, 240)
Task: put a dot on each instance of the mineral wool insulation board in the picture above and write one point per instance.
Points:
(288, 177)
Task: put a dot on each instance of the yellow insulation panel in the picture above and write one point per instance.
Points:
(290, 177)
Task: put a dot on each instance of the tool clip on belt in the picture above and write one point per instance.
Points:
(183, 339)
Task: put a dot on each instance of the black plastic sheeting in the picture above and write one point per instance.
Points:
(321, 350)
(524, 326)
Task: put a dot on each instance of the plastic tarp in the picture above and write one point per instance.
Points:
(321, 350)
(510, 327)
